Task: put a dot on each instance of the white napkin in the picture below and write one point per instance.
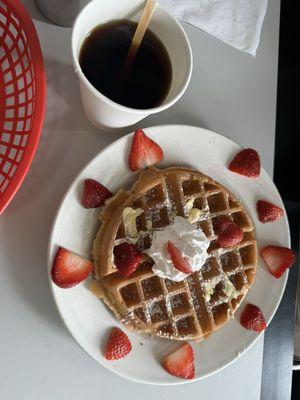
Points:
(236, 22)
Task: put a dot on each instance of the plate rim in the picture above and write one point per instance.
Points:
(54, 221)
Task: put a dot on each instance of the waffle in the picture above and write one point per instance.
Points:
(205, 300)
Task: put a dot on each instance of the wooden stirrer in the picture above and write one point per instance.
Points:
(139, 34)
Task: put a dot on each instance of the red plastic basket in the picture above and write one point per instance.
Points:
(22, 96)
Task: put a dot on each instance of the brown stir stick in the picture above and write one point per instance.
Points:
(139, 34)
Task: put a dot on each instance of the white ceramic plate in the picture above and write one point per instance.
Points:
(89, 321)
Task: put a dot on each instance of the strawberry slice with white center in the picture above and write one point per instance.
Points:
(179, 262)
(277, 259)
(144, 152)
(69, 269)
(180, 363)
(118, 345)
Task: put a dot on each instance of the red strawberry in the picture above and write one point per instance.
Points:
(178, 260)
(69, 269)
(230, 234)
(247, 163)
(180, 363)
(144, 152)
(268, 212)
(252, 318)
(94, 194)
(277, 259)
(118, 345)
(127, 258)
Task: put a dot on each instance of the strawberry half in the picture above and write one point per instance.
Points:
(118, 345)
(247, 163)
(229, 233)
(127, 258)
(179, 262)
(252, 318)
(277, 259)
(268, 212)
(94, 194)
(144, 152)
(69, 269)
(180, 363)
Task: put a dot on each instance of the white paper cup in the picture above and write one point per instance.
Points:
(99, 109)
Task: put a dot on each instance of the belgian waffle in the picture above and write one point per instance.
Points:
(205, 300)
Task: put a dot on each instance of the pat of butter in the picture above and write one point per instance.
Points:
(129, 216)
(194, 215)
(208, 291)
(229, 290)
(189, 204)
(149, 224)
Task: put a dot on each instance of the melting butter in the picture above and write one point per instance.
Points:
(229, 290)
(208, 291)
(189, 204)
(129, 216)
(194, 215)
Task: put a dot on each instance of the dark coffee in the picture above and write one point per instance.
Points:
(102, 57)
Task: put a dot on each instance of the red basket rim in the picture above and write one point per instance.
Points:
(40, 102)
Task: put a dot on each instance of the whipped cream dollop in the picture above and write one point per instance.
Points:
(190, 241)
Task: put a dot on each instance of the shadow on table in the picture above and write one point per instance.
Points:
(68, 141)
(33, 11)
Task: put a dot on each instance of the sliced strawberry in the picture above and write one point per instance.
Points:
(144, 152)
(118, 345)
(229, 233)
(252, 318)
(221, 223)
(247, 163)
(69, 269)
(179, 262)
(277, 259)
(180, 363)
(268, 212)
(94, 194)
(127, 258)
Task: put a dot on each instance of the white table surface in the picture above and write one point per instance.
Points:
(231, 93)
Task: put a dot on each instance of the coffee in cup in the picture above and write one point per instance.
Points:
(102, 58)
